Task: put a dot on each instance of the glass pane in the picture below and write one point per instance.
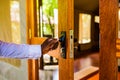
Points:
(47, 18)
(47, 26)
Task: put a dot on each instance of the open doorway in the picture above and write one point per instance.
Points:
(86, 43)
(92, 45)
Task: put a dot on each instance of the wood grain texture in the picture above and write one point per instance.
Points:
(37, 40)
(108, 23)
(66, 21)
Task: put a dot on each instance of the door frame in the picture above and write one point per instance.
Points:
(108, 23)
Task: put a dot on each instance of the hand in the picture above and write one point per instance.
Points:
(49, 44)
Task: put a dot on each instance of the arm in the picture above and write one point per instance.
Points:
(12, 50)
(20, 51)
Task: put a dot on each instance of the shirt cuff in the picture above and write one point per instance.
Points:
(35, 51)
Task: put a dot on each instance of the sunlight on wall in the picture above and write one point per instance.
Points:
(15, 29)
(13, 62)
(97, 19)
(15, 21)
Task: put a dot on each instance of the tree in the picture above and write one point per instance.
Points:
(48, 11)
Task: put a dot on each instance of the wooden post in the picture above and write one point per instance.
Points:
(108, 24)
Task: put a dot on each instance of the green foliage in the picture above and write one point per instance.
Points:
(47, 29)
(49, 6)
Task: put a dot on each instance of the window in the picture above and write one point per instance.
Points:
(84, 28)
(49, 18)
(97, 19)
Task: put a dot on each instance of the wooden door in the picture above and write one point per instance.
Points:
(108, 30)
(108, 25)
(65, 23)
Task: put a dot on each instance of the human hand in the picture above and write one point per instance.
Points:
(49, 44)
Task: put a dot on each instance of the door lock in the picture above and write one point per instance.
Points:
(62, 39)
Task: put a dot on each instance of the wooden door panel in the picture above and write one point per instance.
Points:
(108, 31)
(37, 40)
(66, 23)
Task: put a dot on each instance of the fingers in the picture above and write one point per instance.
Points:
(55, 45)
(50, 41)
(49, 44)
(52, 44)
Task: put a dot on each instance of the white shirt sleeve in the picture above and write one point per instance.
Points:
(21, 51)
(34, 51)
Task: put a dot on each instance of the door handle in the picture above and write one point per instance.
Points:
(62, 40)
